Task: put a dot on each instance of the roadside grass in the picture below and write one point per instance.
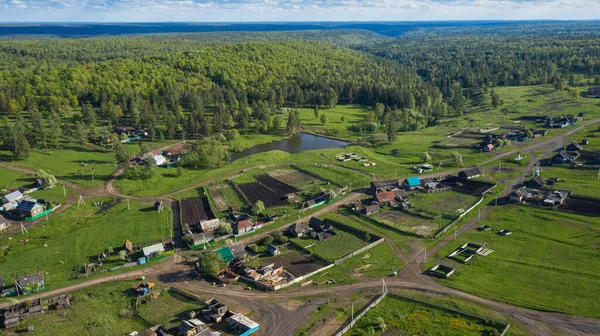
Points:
(405, 316)
(168, 309)
(77, 235)
(107, 312)
(546, 265)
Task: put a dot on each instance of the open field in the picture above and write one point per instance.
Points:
(446, 203)
(545, 265)
(335, 126)
(405, 316)
(343, 243)
(411, 223)
(107, 312)
(77, 235)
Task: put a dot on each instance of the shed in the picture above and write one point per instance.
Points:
(225, 254)
(412, 182)
(242, 323)
(128, 246)
(574, 147)
(385, 197)
(273, 250)
(488, 148)
(536, 183)
(191, 327)
(297, 230)
(372, 209)
(210, 225)
(36, 279)
(153, 250)
(160, 160)
(469, 174)
(14, 196)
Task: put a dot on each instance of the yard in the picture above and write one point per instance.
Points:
(101, 310)
(77, 235)
(402, 315)
(298, 263)
(548, 261)
(342, 244)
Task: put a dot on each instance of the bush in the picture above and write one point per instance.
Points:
(267, 240)
(282, 240)
(253, 248)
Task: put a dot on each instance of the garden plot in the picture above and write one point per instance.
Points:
(219, 200)
(447, 203)
(416, 224)
(294, 178)
(296, 262)
(277, 186)
(255, 192)
(195, 210)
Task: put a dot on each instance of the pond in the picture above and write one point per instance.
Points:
(295, 144)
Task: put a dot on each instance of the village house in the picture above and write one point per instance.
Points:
(566, 157)
(412, 183)
(153, 250)
(557, 197)
(594, 92)
(29, 208)
(32, 282)
(238, 251)
(385, 185)
(191, 327)
(488, 148)
(469, 174)
(273, 250)
(386, 197)
(157, 330)
(518, 195)
(372, 209)
(243, 226)
(536, 183)
(574, 147)
(297, 230)
(209, 226)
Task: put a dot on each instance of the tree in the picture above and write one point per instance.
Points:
(81, 133)
(316, 111)
(282, 240)
(458, 159)
(391, 131)
(209, 154)
(342, 119)
(48, 179)
(258, 208)
(323, 118)
(54, 129)
(225, 228)
(366, 237)
(88, 115)
(267, 240)
(530, 134)
(122, 255)
(211, 264)
(20, 146)
(121, 156)
(495, 99)
(426, 157)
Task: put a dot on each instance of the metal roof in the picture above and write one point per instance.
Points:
(413, 181)
(13, 196)
(149, 250)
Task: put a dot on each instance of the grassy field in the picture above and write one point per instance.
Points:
(76, 236)
(168, 309)
(548, 261)
(343, 243)
(107, 312)
(10, 180)
(334, 126)
(446, 203)
(411, 223)
(581, 181)
(405, 316)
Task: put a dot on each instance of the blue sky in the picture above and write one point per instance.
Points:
(292, 10)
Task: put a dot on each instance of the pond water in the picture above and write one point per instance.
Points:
(295, 144)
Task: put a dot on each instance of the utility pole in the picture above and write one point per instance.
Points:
(128, 208)
(64, 191)
(454, 232)
(425, 250)
(23, 229)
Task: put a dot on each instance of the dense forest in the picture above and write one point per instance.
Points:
(218, 85)
(478, 60)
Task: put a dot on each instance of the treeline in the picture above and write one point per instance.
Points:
(485, 60)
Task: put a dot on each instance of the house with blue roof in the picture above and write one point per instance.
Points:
(412, 183)
(30, 208)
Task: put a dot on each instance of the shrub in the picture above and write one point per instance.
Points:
(267, 240)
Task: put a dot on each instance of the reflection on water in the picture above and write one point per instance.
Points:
(295, 144)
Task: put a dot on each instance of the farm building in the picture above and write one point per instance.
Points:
(238, 251)
(385, 185)
(225, 254)
(242, 324)
(412, 183)
(372, 209)
(488, 148)
(32, 282)
(594, 92)
(243, 226)
(153, 250)
(10, 201)
(536, 183)
(518, 195)
(585, 142)
(297, 230)
(273, 250)
(211, 225)
(157, 330)
(574, 147)
(385, 197)
(557, 197)
(128, 246)
(565, 157)
(215, 310)
(469, 174)
(29, 208)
